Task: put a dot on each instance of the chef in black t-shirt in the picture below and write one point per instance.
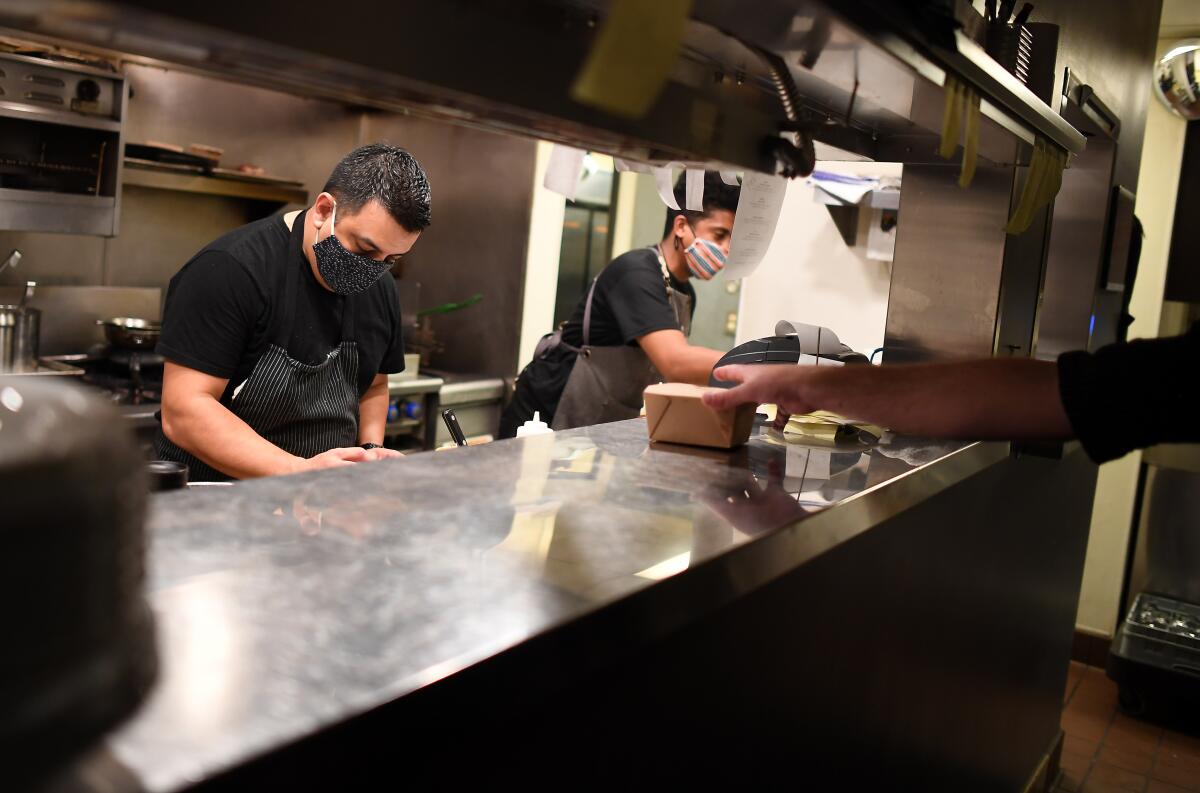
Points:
(279, 336)
(630, 328)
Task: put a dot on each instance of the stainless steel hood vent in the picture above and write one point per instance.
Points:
(868, 77)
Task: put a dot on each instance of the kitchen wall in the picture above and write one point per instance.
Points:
(810, 274)
(482, 196)
(541, 260)
(481, 186)
(290, 137)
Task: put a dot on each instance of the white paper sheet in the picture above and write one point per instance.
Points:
(846, 193)
(729, 178)
(814, 339)
(694, 195)
(847, 189)
(665, 182)
(629, 165)
(757, 215)
(563, 170)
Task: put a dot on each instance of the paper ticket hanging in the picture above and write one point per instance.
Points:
(664, 180)
(628, 165)
(729, 178)
(563, 170)
(754, 227)
(694, 193)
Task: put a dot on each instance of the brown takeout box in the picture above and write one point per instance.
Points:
(675, 414)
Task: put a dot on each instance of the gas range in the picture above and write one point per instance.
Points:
(132, 382)
(126, 378)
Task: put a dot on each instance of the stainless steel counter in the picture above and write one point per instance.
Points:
(290, 604)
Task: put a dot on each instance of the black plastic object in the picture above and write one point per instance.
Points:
(1155, 660)
(776, 349)
(166, 475)
(452, 425)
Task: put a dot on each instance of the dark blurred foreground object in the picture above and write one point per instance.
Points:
(78, 635)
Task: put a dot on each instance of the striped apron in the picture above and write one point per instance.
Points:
(303, 409)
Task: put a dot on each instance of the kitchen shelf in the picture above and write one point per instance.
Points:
(188, 180)
(64, 118)
(60, 213)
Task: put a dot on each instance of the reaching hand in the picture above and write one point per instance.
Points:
(781, 385)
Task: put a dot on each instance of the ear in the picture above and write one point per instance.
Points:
(680, 225)
(322, 210)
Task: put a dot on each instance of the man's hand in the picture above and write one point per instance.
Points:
(339, 458)
(374, 455)
(785, 386)
(334, 458)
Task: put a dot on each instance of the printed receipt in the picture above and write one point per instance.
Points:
(664, 180)
(757, 215)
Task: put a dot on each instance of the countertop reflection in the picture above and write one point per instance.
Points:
(288, 604)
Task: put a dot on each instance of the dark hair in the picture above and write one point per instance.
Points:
(387, 174)
(717, 195)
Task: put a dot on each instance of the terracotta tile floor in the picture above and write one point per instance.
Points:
(1106, 751)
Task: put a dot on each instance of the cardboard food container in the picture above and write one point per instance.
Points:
(676, 414)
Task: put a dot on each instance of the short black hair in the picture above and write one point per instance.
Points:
(387, 174)
(717, 195)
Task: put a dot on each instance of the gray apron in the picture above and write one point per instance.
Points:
(606, 382)
(303, 409)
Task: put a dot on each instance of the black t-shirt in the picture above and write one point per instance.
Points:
(1128, 396)
(223, 306)
(630, 301)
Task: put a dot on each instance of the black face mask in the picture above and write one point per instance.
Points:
(346, 273)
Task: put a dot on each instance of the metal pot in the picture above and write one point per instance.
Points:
(19, 328)
(131, 333)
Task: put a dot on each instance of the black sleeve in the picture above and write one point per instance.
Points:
(1129, 396)
(638, 301)
(212, 307)
(393, 357)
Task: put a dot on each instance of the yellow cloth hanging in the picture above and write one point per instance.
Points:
(632, 56)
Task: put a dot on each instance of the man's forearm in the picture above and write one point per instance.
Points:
(208, 430)
(694, 365)
(372, 413)
(995, 398)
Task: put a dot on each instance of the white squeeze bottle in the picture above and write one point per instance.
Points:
(534, 426)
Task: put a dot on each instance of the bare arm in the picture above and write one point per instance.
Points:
(995, 398)
(677, 360)
(372, 411)
(194, 419)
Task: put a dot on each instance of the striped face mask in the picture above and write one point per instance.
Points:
(704, 258)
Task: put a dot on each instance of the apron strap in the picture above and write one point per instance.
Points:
(587, 313)
(666, 274)
(282, 332)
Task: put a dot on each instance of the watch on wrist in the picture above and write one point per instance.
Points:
(370, 446)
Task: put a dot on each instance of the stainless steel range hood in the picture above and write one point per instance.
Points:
(867, 76)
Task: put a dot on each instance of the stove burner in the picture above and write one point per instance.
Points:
(132, 358)
(131, 377)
